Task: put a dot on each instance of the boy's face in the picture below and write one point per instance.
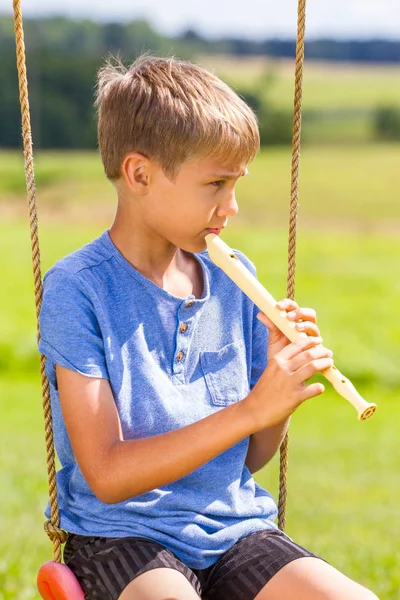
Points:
(202, 197)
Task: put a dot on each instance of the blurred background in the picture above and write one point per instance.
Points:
(343, 478)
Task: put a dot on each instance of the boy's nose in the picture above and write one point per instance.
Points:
(229, 207)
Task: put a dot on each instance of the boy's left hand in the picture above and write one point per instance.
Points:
(305, 319)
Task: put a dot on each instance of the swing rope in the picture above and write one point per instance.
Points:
(294, 204)
(57, 535)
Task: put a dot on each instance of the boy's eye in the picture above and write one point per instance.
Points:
(217, 184)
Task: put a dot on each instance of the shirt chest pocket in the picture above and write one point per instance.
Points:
(225, 372)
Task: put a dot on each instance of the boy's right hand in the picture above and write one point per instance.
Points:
(281, 388)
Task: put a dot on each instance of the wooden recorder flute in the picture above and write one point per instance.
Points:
(224, 257)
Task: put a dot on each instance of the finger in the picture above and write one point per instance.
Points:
(287, 304)
(308, 355)
(304, 342)
(302, 314)
(311, 368)
(263, 317)
(311, 391)
(308, 327)
(274, 332)
(266, 320)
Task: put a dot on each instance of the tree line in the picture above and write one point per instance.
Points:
(85, 36)
(63, 57)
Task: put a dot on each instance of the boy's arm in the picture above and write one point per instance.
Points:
(264, 444)
(117, 469)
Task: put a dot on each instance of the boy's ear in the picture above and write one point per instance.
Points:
(135, 171)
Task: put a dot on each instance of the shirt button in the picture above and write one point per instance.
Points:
(189, 304)
(183, 327)
(179, 356)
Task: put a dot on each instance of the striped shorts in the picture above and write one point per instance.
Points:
(105, 566)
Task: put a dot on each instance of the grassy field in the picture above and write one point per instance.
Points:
(343, 481)
(339, 99)
(354, 186)
(326, 85)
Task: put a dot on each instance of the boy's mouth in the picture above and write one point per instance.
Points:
(217, 231)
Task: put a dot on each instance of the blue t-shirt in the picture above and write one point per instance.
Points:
(102, 318)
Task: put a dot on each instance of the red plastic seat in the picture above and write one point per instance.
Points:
(56, 581)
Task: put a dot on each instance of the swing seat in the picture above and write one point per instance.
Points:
(56, 581)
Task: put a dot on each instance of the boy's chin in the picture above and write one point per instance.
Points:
(201, 246)
(195, 246)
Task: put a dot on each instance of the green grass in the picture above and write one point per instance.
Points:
(343, 482)
(50, 168)
(353, 186)
(348, 279)
(326, 85)
(337, 129)
(24, 489)
(339, 99)
(341, 86)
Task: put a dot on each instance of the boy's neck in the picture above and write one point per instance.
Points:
(169, 267)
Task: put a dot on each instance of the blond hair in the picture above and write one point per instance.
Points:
(170, 111)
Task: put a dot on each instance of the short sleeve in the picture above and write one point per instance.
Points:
(70, 331)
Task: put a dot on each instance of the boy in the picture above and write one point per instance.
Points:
(163, 400)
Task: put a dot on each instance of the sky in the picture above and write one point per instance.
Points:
(245, 18)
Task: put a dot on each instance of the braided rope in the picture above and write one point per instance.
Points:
(298, 96)
(57, 535)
